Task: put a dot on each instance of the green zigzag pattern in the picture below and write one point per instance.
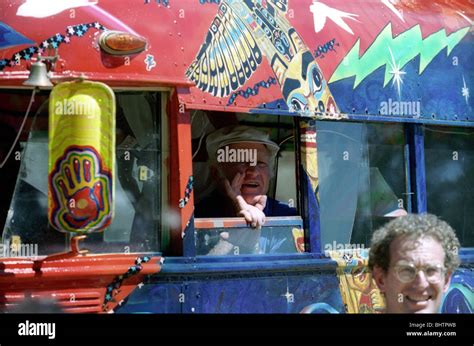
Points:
(404, 48)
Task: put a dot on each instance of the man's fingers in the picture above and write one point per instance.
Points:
(260, 201)
(230, 191)
(256, 222)
(247, 215)
(242, 205)
(261, 219)
(237, 182)
(254, 216)
(258, 217)
(263, 200)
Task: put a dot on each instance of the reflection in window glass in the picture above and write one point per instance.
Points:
(233, 237)
(362, 179)
(137, 185)
(449, 162)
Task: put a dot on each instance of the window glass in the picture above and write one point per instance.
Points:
(449, 162)
(272, 174)
(362, 179)
(233, 237)
(136, 221)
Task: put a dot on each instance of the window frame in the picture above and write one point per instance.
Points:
(415, 181)
(415, 167)
(160, 118)
(196, 224)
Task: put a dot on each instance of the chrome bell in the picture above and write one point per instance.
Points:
(38, 76)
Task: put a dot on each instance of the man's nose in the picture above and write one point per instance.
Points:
(420, 279)
(249, 169)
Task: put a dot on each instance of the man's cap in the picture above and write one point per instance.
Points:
(239, 134)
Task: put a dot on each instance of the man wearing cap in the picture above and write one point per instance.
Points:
(241, 160)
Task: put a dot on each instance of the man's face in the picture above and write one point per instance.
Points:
(256, 174)
(419, 295)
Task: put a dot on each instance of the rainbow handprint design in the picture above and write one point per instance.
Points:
(81, 191)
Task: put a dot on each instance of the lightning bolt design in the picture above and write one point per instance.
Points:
(404, 48)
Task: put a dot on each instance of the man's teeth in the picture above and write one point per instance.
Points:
(419, 298)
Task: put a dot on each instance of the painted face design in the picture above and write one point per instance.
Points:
(304, 87)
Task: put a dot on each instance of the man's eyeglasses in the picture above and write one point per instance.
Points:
(407, 272)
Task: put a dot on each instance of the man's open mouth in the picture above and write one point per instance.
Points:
(418, 299)
(251, 185)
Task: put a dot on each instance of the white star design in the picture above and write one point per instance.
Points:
(45, 44)
(70, 30)
(289, 296)
(17, 56)
(465, 90)
(397, 74)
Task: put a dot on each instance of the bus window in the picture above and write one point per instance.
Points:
(136, 223)
(449, 162)
(362, 179)
(260, 150)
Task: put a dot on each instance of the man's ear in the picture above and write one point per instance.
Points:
(379, 276)
(447, 281)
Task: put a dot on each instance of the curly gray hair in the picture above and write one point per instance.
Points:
(416, 226)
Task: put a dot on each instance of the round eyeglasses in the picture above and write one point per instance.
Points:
(407, 272)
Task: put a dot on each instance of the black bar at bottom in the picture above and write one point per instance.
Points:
(236, 329)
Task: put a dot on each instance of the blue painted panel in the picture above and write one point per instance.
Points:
(209, 285)
(460, 295)
(283, 294)
(317, 293)
(438, 88)
(155, 298)
(442, 91)
(240, 284)
(218, 294)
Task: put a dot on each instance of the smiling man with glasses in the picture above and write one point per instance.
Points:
(412, 259)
